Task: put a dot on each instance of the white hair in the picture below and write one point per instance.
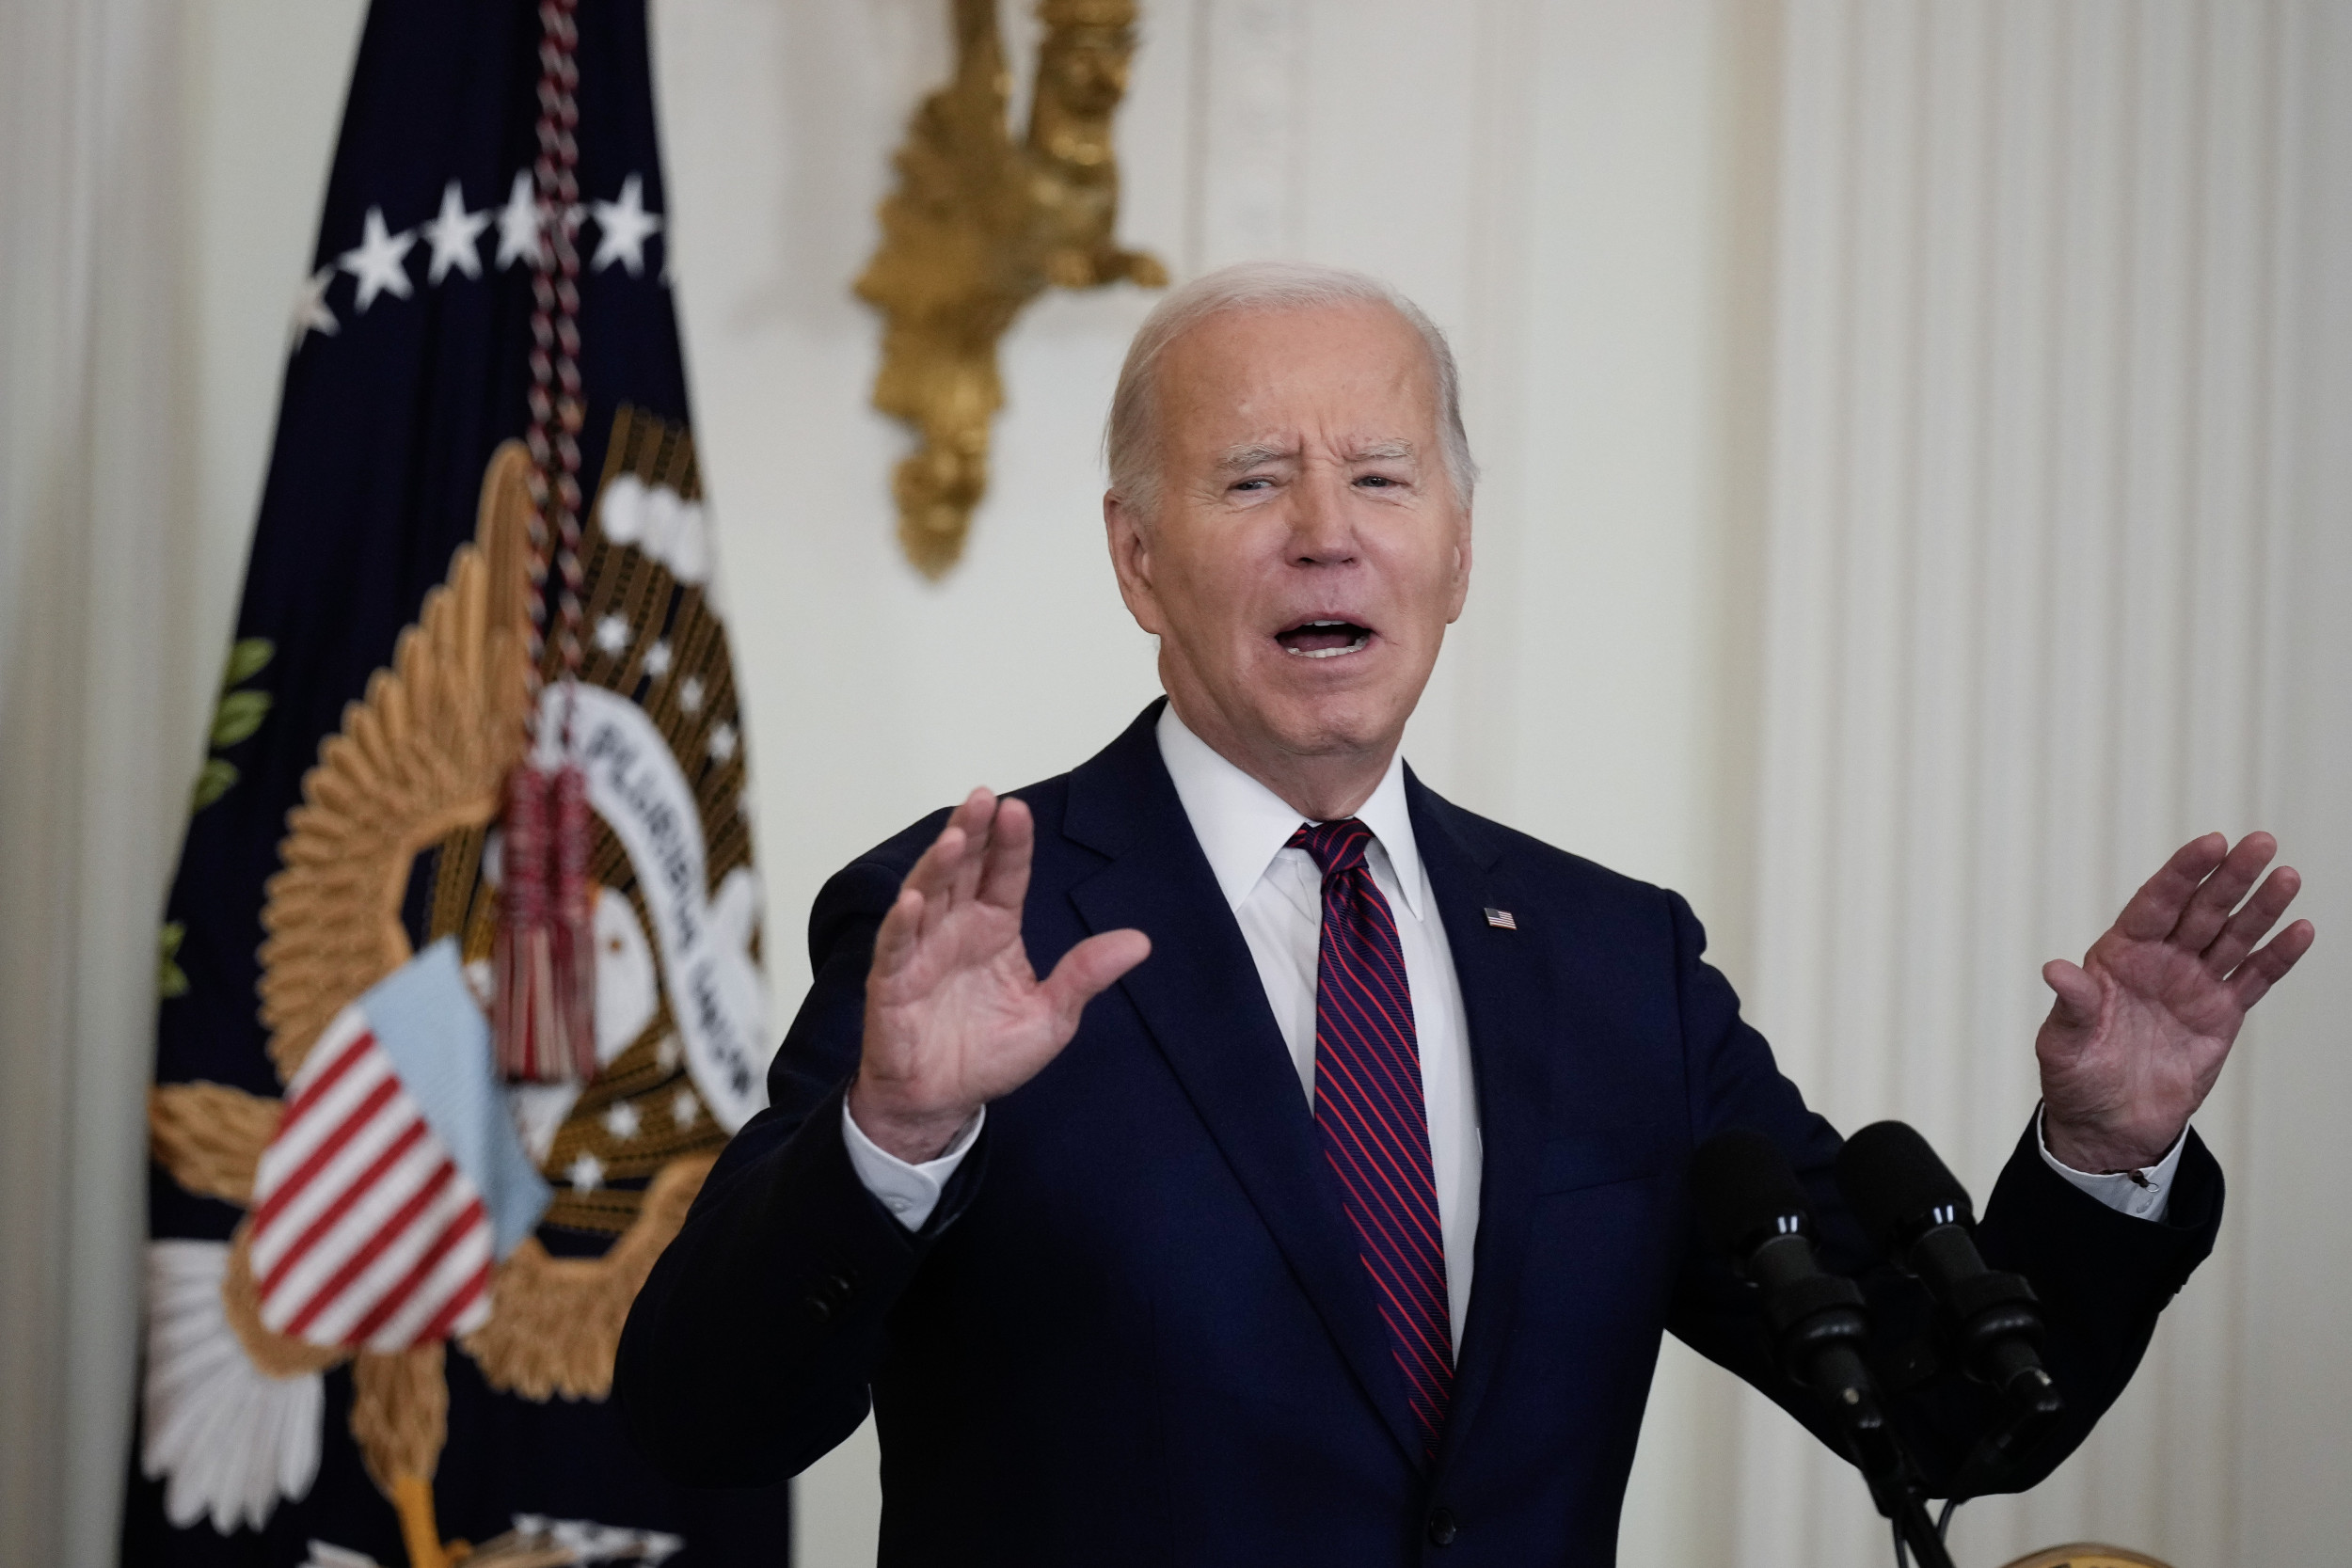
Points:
(1129, 438)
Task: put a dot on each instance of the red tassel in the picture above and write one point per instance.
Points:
(543, 1010)
(522, 966)
(575, 919)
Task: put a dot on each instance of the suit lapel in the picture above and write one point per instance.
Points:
(1503, 996)
(1199, 996)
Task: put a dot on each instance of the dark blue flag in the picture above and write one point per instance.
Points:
(384, 1286)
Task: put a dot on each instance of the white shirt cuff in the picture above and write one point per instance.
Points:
(2143, 1194)
(909, 1192)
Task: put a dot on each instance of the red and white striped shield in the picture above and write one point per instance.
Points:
(371, 1227)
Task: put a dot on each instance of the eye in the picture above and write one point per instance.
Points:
(1258, 483)
(1376, 482)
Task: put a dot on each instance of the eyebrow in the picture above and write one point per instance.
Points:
(1250, 455)
(1233, 460)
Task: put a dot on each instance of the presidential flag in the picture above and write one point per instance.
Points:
(385, 1283)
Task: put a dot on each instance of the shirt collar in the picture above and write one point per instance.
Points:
(1242, 825)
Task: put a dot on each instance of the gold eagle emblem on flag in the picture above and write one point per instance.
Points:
(398, 825)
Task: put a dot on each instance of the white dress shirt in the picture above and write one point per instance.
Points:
(1276, 894)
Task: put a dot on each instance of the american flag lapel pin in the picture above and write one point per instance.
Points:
(1503, 920)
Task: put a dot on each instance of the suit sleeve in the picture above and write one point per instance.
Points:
(2103, 1276)
(748, 1352)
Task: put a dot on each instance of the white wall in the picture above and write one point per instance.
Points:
(1595, 198)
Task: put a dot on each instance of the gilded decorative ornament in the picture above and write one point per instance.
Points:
(979, 226)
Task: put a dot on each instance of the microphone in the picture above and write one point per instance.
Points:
(1751, 1210)
(1918, 1212)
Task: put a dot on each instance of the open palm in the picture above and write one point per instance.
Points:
(2141, 1027)
(955, 1016)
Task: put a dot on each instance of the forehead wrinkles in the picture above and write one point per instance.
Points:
(1324, 395)
(1308, 365)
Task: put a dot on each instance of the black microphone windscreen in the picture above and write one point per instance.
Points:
(1743, 1189)
(1897, 1184)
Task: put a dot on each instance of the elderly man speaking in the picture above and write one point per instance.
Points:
(1326, 1200)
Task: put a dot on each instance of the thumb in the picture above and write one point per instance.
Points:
(1089, 969)
(2077, 1004)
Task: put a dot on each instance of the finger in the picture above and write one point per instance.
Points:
(934, 874)
(944, 868)
(976, 816)
(2265, 968)
(2252, 923)
(2077, 1004)
(1005, 878)
(895, 942)
(1089, 968)
(2210, 908)
(2156, 909)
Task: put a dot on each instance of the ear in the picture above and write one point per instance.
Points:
(1130, 540)
(1461, 570)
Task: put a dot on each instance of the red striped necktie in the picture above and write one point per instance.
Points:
(1370, 1118)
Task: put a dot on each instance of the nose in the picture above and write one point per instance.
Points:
(1323, 531)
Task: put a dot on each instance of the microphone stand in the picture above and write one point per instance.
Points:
(1894, 1478)
(1886, 1466)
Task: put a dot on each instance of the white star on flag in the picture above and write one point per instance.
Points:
(722, 743)
(623, 226)
(689, 694)
(518, 223)
(379, 262)
(621, 1120)
(452, 233)
(658, 659)
(685, 1109)
(612, 634)
(310, 313)
(586, 1173)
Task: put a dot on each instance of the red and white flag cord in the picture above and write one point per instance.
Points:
(542, 1009)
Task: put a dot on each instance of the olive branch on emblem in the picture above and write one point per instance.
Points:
(238, 716)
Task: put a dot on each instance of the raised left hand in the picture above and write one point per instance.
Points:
(2141, 1027)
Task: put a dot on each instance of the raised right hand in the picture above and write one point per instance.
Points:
(955, 1016)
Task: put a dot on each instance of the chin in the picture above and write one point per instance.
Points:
(1335, 725)
(1337, 710)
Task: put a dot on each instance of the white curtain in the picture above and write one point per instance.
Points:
(98, 724)
(2058, 578)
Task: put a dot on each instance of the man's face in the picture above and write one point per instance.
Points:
(1307, 552)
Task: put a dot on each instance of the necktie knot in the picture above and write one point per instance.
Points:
(1336, 846)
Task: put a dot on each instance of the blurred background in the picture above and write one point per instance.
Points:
(1918, 440)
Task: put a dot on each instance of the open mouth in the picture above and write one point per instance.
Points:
(1324, 639)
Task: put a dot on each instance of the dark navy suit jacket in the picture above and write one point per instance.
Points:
(1135, 1330)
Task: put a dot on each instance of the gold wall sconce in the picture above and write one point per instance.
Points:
(980, 225)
